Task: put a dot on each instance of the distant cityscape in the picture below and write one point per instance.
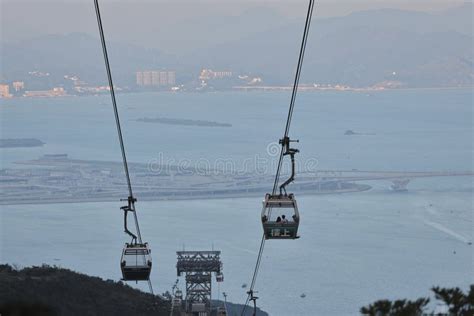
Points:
(145, 80)
(161, 80)
(345, 55)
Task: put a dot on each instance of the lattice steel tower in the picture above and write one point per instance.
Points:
(198, 267)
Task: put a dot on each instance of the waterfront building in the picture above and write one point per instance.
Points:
(156, 78)
(18, 85)
(5, 91)
(55, 92)
(171, 77)
(147, 78)
(207, 74)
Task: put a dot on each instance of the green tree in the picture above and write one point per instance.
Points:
(396, 308)
(458, 303)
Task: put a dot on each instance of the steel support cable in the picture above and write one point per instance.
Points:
(112, 94)
(131, 199)
(287, 130)
(300, 64)
(295, 88)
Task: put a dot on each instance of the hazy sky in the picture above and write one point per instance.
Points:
(167, 21)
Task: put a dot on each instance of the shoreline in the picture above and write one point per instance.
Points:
(245, 89)
(356, 189)
(53, 179)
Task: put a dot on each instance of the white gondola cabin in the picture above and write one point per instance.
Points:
(280, 217)
(136, 262)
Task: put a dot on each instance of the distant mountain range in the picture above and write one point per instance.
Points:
(363, 49)
(77, 54)
(411, 49)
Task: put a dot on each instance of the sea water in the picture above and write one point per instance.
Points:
(354, 248)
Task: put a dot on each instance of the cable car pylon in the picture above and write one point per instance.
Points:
(136, 260)
(281, 228)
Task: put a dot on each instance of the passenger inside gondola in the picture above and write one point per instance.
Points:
(281, 227)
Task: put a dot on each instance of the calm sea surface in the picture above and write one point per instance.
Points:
(354, 248)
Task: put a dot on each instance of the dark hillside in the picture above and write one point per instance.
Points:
(54, 291)
(47, 291)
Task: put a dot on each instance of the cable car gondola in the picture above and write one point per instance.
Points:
(136, 255)
(283, 229)
(136, 262)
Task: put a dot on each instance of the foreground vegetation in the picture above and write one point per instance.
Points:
(55, 291)
(455, 301)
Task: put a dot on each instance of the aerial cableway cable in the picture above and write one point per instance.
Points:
(284, 150)
(131, 199)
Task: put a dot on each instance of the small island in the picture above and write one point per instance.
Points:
(185, 122)
(20, 142)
